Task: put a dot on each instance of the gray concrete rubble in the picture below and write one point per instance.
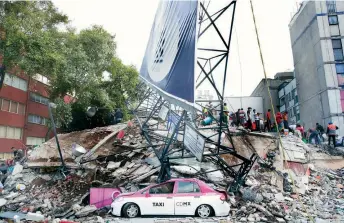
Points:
(290, 182)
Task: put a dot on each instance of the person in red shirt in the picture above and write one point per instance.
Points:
(279, 120)
(268, 120)
(285, 120)
(300, 128)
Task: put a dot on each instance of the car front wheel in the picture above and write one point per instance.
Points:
(204, 211)
(131, 210)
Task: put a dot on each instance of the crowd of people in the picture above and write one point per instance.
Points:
(257, 121)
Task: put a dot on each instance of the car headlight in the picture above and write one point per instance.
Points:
(118, 199)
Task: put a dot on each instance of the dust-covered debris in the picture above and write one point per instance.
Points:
(297, 190)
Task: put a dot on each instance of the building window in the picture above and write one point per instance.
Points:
(293, 93)
(34, 141)
(36, 119)
(298, 117)
(333, 20)
(296, 99)
(331, 6)
(8, 132)
(38, 98)
(340, 78)
(5, 105)
(340, 68)
(282, 101)
(12, 106)
(15, 82)
(42, 79)
(294, 110)
(337, 49)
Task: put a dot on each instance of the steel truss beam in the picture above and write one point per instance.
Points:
(149, 103)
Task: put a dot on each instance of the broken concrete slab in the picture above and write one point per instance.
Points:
(2, 202)
(86, 211)
(91, 139)
(17, 169)
(113, 165)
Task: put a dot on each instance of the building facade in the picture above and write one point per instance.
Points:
(262, 91)
(289, 101)
(317, 32)
(23, 111)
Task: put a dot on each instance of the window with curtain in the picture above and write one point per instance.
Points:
(5, 105)
(36, 119)
(12, 106)
(39, 99)
(15, 82)
(337, 49)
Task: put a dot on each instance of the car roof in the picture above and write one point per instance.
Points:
(183, 179)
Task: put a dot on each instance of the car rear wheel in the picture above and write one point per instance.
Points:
(204, 211)
(131, 210)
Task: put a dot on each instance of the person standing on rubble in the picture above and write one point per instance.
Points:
(268, 120)
(320, 130)
(256, 119)
(249, 119)
(242, 117)
(279, 120)
(237, 114)
(285, 120)
(118, 116)
(331, 132)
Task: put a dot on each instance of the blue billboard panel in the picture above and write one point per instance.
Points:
(169, 61)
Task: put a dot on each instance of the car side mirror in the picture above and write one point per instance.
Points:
(147, 194)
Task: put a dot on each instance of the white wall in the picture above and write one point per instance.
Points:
(234, 103)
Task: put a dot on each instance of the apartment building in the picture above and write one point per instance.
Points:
(23, 111)
(317, 32)
(289, 101)
(262, 91)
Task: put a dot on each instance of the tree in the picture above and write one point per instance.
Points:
(73, 61)
(30, 38)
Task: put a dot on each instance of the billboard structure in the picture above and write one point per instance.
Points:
(169, 62)
(172, 57)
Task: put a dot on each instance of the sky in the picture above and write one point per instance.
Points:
(131, 21)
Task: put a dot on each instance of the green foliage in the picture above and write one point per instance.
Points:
(39, 39)
(30, 36)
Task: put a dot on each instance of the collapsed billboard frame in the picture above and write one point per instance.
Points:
(149, 102)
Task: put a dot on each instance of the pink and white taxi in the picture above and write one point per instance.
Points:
(173, 197)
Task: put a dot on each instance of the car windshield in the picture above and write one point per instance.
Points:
(166, 188)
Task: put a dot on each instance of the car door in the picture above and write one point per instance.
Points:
(187, 197)
(159, 200)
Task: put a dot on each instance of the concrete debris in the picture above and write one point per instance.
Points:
(17, 169)
(189, 170)
(113, 165)
(2, 202)
(86, 211)
(294, 189)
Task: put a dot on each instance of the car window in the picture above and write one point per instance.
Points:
(162, 189)
(144, 192)
(188, 187)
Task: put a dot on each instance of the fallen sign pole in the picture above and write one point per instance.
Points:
(149, 106)
(56, 138)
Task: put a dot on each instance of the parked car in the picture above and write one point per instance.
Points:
(173, 197)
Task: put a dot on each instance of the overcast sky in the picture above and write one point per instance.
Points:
(131, 21)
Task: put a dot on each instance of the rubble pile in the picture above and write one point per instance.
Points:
(118, 157)
(263, 201)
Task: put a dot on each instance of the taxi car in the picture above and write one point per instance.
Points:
(173, 197)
